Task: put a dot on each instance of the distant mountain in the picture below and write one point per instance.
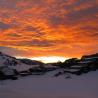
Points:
(11, 67)
(8, 64)
(30, 62)
(90, 56)
(12, 61)
(6, 60)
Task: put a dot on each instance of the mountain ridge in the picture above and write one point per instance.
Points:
(12, 67)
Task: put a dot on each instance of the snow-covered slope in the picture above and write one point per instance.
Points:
(12, 63)
(45, 86)
(7, 71)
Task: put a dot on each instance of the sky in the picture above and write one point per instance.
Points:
(38, 28)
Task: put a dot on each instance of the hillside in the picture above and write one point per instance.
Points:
(70, 79)
(12, 68)
(46, 86)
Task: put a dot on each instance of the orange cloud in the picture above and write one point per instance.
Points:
(49, 28)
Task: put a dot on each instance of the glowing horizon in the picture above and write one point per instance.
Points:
(47, 59)
(51, 59)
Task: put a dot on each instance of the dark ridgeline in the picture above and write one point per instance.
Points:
(79, 66)
(30, 62)
(70, 66)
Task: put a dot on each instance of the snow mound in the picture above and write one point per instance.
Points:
(84, 86)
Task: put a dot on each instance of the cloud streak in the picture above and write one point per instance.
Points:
(49, 27)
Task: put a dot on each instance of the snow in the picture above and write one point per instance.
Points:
(76, 66)
(47, 86)
(82, 62)
(71, 70)
(7, 71)
(5, 61)
(21, 67)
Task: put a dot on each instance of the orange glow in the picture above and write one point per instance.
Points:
(48, 28)
(49, 59)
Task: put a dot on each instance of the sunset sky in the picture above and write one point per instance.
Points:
(47, 28)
